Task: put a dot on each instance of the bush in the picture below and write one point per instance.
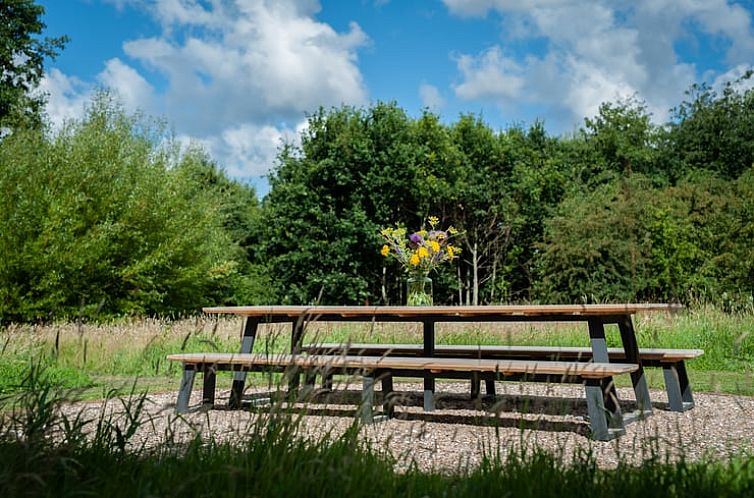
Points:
(104, 217)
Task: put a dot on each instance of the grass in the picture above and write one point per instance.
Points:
(48, 452)
(103, 356)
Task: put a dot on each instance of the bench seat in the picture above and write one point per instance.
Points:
(435, 365)
(647, 355)
(606, 424)
(680, 397)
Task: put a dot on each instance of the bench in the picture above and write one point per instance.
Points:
(680, 397)
(604, 414)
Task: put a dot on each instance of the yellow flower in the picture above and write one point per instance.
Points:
(451, 251)
(385, 250)
(414, 260)
(423, 233)
(434, 245)
(433, 220)
(423, 252)
(452, 231)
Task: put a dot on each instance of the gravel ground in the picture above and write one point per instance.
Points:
(552, 417)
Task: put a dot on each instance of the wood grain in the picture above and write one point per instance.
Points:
(323, 312)
(565, 352)
(580, 369)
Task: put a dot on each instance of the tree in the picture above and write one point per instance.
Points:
(22, 56)
(623, 138)
(106, 217)
(714, 130)
(477, 213)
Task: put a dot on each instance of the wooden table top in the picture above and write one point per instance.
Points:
(549, 310)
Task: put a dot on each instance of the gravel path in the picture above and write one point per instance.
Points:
(456, 435)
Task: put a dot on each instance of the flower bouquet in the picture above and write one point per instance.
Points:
(420, 253)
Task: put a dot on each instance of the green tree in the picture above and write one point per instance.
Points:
(107, 217)
(623, 140)
(479, 190)
(713, 130)
(627, 241)
(22, 56)
(357, 170)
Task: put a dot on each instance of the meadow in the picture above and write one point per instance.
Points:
(111, 355)
(49, 451)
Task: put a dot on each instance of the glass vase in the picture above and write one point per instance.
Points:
(419, 291)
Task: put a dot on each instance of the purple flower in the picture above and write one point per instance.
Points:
(415, 239)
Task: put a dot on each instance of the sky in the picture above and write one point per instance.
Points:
(239, 77)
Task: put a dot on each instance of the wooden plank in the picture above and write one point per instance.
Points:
(324, 312)
(586, 370)
(544, 351)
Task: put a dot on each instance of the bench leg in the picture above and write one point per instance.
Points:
(184, 393)
(310, 378)
(388, 404)
(208, 388)
(367, 400)
(475, 386)
(678, 388)
(327, 381)
(489, 387)
(605, 425)
(239, 378)
(429, 392)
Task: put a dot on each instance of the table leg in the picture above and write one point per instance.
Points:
(239, 378)
(297, 336)
(367, 399)
(429, 379)
(184, 393)
(599, 355)
(388, 401)
(208, 387)
(631, 347)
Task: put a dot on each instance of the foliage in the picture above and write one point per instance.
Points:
(22, 57)
(105, 217)
(713, 130)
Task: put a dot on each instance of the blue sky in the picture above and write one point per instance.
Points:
(239, 76)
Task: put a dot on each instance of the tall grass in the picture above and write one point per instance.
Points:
(46, 452)
(91, 354)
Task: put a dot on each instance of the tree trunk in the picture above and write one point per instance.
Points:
(475, 275)
(494, 272)
(460, 284)
(468, 288)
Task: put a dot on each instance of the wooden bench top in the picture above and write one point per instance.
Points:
(658, 354)
(324, 312)
(577, 369)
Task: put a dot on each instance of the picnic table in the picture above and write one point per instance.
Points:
(430, 365)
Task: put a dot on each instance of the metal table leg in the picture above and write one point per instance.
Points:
(639, 380)
(429, 379)
(239, 378)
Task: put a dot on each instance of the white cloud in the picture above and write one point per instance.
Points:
(231, 74)
(490, 76)
(247, 149)
(431, 97)
(733, 77)
(67, 96)
(596, 51)
(134, 91)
